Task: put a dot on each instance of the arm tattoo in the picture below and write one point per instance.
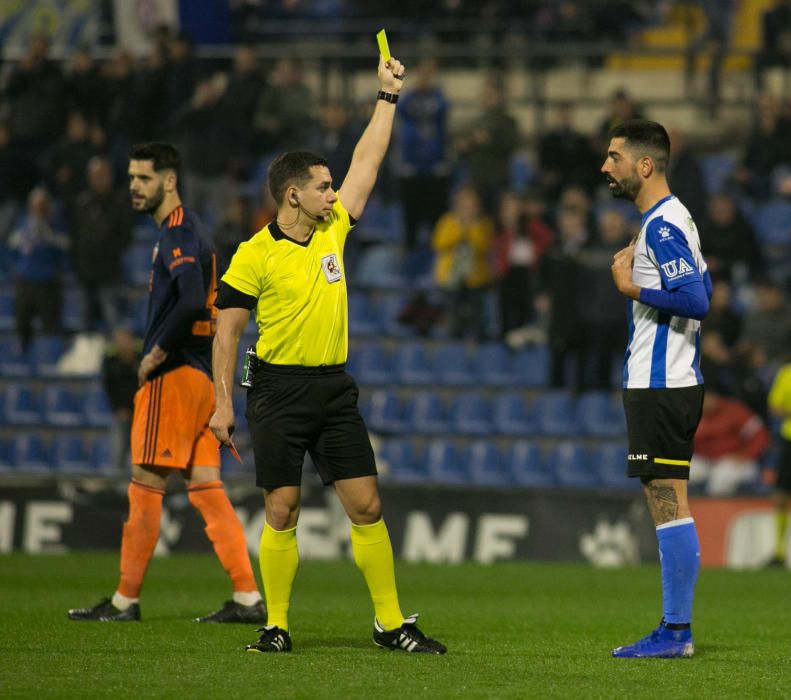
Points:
(662, 502)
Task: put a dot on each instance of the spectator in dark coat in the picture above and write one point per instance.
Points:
(489, 143)
(600, 306)
(565, 157)
(101, 231)
(560, 273)
(36, 91)
(685, 176)
(728, 239)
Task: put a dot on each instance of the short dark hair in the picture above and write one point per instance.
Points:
(291, 168)
(646, 137)
(164, 156)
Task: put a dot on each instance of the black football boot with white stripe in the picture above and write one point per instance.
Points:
(406, 638)
(273, 639)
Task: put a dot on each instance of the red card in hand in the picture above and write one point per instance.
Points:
(235, 452)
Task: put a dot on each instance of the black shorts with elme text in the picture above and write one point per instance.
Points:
(661, 424)
(292, 410)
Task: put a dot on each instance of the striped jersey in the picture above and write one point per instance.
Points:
(664, 350)
(182, 263)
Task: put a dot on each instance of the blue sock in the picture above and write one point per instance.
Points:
(679, 556)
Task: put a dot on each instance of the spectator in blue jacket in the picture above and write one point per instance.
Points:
(422, 165)
(38, 255)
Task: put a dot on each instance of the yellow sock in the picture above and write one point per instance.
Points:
(781, 524)
(279, 561)
(373, 555)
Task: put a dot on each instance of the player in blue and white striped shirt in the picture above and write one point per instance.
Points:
(664, 275)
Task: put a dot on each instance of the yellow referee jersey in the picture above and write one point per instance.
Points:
(302, 311)
(780, 398)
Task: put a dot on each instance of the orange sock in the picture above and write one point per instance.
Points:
(141, 532)
(225, 533)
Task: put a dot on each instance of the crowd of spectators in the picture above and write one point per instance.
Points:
(520, 258)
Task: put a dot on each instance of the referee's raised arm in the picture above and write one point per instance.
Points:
(372, 146)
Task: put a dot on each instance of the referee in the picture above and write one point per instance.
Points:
(292, 274)
(664, 276)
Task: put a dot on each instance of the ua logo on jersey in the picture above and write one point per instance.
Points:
(331, 267)
(676, 268)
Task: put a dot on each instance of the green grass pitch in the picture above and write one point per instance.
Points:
(513, 631)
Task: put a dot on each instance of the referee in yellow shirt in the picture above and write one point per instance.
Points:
(292, 274)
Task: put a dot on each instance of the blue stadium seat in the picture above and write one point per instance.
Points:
(22, 406)
(609, 458)
(471, 414)
(571, 466)
(70, 454)
(486, 465)
(101, 456)
(96, 407)
(427, 414)
(716, 170)
(555, 414)
(14, 362)
(386, 414)
(46, 350)
(7, 455)
(31, 453)
(530, 366)
(7, 318)
(511, 415)
(599, 415)
(73, 317)
(390, 307)
(773, 222)
(413, 364)
(403, 464)
(527, 465)
(136, 264)
(379, 268)
(445, 463)
(452, 365)
(62, 406)
(521, 173)
(494, 365)
(362, 318)
(371, 363)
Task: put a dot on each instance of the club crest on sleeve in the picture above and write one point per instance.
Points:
(331, 267)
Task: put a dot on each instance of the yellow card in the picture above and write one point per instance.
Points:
(384, 49)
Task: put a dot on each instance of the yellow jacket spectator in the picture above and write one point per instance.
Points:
(463, 241)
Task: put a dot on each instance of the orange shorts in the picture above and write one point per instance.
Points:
(170, 427)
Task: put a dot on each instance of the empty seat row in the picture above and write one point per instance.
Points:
(40, 359)
(55, 405)
(450, 364)
(64, 454)
(521, 463)
(551, 413)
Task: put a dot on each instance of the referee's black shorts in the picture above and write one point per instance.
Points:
(661, 424)
(783, 482)
(293, 410)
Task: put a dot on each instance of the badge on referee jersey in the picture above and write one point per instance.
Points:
(331, 267)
